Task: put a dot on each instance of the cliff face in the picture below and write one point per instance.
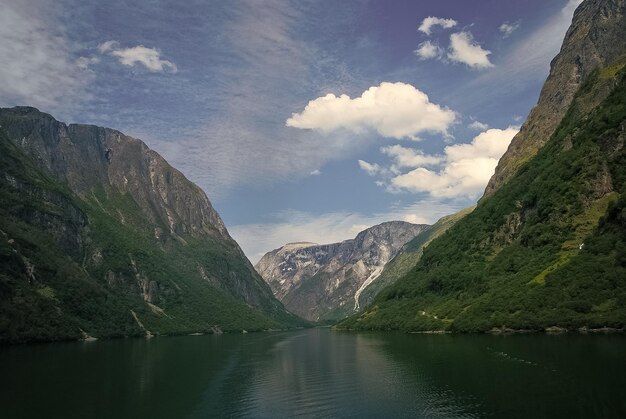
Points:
(86, 156)
(133, 229)
(324, 282)
(547, 246)
(594, 40)
(408, 256)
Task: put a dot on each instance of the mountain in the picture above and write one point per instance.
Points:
(547, 246)
(101, 237)
(408, 256)
(323, 282)
(594, 40)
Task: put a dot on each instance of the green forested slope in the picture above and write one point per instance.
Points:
(548, 248)
(75, 266)
(409, 256)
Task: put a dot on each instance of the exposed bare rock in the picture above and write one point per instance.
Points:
(589, 44)
(109, 229)
(323, 282)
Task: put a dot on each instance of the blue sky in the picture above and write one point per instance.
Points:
(301, 120)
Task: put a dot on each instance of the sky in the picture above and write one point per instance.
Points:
(301, 120)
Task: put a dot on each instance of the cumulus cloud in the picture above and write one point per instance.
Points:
(150, 58)
(478, 126)
(396, 110)
(428, 50)
(508, 28)
(430, 21)
(466, 168)
(315, 172)
(410, 157)
(292, 226)
(464, 50)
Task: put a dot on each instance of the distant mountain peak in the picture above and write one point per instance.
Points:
(324, 281)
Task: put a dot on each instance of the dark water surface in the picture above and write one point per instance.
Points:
(318, 373)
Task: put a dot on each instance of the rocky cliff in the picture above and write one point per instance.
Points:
(324, 282)
(546, 248)
(90, 211)
(408, 256)
(594, 40)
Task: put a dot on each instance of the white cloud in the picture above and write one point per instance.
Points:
(150, 58)
(266, 70)
(38, 66)
(527, 60)
(85, 63)
(371, 169)
(107, 46)
(534, 53)
(508, 28)
(315, 172)
(464, 50)
(292, 226)
(395, 110)
(478, 126)
(428, 50)
(410, 157)
(431, 21)
(466, 169)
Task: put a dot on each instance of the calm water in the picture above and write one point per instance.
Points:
(318, 373)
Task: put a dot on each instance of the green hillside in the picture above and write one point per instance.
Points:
(548, 248)
(76, 266)
(400, 265)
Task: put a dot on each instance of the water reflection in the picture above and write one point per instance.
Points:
(318, 373)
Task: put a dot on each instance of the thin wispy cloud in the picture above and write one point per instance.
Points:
(85, 63)
(242, 71)
(37, 66)
(290, 226)
(478, 126)
(269, 66)
(535, 52)
(371, 169)
(508, 28)
(528, 59)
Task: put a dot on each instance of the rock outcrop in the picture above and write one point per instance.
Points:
(324, 282)
(95, 211)
(594, 40)
(546, 246)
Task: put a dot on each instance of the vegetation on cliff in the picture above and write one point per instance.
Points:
(75, 265)
(547, 248)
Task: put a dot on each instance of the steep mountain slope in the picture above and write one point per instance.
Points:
(408, 256)
(546, 248)
(594, 40)
(100, 236)
(323, 282)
